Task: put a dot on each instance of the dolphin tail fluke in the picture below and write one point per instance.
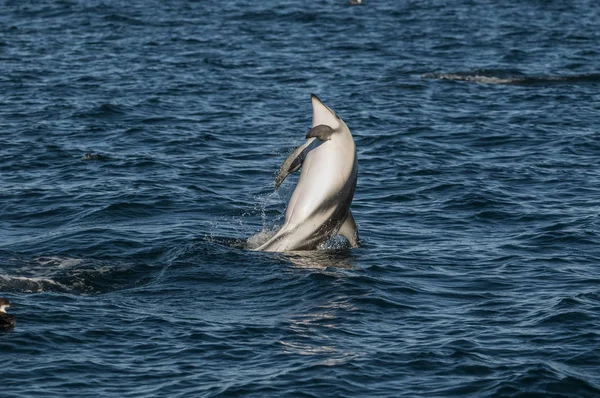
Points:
(349, 231)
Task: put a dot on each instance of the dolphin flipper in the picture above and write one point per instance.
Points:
(293, 162)
(349, 231)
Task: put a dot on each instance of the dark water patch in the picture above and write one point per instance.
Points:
(90, 79)
(277, 15)
(104, 111)
(134, 210)
(123, 19)
(491, 215)
(560, 237)
(572, 318)
(473, 202)
(544, 377)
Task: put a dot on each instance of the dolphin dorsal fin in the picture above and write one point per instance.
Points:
(322, 115)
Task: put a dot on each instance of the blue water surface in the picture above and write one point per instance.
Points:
(139, 143)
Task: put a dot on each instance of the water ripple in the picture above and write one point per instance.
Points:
(138, 150)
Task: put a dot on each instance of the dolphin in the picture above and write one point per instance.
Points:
(320, 205)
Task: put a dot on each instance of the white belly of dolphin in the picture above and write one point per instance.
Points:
(324, 175)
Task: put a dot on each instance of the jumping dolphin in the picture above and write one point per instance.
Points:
(320, 205)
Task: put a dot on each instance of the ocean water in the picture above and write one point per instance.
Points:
(139, 143)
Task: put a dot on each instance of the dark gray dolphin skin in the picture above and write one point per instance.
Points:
(320, 205)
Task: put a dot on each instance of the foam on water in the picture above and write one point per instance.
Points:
(59, 262)
(484, 78)
(261, 237)
(22, 284)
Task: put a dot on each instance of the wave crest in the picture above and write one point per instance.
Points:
(491, 77)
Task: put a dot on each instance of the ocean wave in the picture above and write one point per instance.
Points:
(70, 275)
(482, 77)
(23, 284)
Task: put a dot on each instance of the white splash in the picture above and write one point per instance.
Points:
(28, 285)
(261, 237)
(60, 262)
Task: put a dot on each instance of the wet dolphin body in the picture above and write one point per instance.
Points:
(320, 205)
